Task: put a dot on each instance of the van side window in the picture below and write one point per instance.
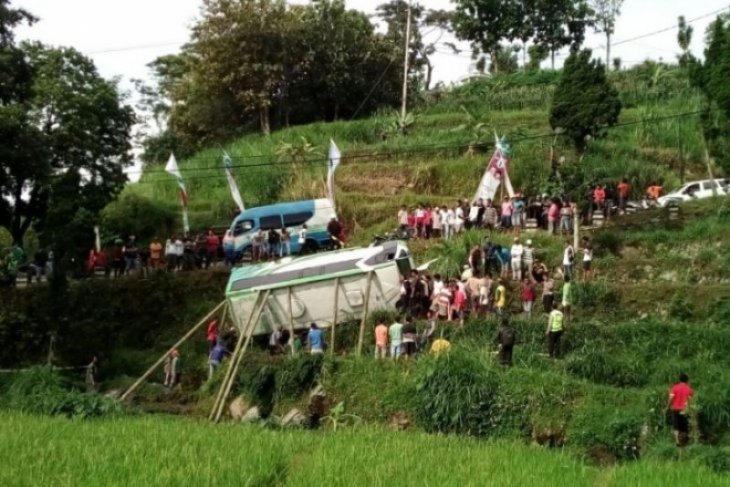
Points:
(242, 227)
(296, 219)
(269, 222)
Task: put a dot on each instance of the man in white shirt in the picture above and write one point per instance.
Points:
(568, 257)
(179, 251)
(436, 222)
(458, 220)
(449, 220)
(403, 218)
(516, 259)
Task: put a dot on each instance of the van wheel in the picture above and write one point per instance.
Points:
(309, 247)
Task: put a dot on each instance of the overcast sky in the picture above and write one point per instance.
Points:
(123, 36)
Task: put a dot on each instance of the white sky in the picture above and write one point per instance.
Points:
(123, 36)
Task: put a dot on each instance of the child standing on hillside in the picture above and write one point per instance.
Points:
(678, 404)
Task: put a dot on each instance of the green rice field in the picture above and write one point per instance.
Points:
(170, 451)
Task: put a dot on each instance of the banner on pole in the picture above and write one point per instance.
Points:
(235, 193)
(333, 160)
(172, 168)
(497, 172)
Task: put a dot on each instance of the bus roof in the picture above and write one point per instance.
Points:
(315, 267)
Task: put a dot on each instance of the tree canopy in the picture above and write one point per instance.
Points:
(64, 132)
(584, 102)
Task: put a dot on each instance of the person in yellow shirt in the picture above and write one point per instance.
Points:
(440, 346)
(500, 297)
(554, 331)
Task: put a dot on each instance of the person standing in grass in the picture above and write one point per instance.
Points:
(554, 332)
(216, 357)
(315, 339)
(381, 340)
(395, 333)
(459, 302)
(505, 339)
(587, 258)
(410, 335)
(568, 258)
(436, 222)
(500, 297)
(528, 296)
(548, 293)
(92, 375)
(678, 403)
(403, 218)
(171, 367)
(567, 299)
(516, 253)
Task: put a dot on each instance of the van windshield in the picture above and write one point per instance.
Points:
(242, 227)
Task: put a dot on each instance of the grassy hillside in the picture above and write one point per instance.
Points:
(166, 451)
(381, 170)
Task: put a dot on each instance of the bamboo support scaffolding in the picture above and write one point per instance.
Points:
(334, 314)
(235, 361)
(190, 333)
(291, 320)
(366, 306)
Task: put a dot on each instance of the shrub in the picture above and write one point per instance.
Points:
(607, 242)
(606, 368)
(454, 394)
(258, 383)
(681, 309)
(609, 426)
(297, 375)
(41, 390)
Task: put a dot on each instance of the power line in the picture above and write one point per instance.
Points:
(366, 158)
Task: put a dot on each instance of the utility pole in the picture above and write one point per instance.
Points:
(405, 68)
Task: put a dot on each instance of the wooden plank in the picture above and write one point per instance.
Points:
(291, 321)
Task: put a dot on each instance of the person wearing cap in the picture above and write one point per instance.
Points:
(516, 253)
(528, 258)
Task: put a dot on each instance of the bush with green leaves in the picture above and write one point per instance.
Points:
(454, 393)
(41, 390)
(609, 425)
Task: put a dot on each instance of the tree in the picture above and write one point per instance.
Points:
(57, 118)
(711, 78)
(560, 23)
(606, 12)
(485, 23)
(584, 103)
(537, 54)
(684, 39)
(70, 121)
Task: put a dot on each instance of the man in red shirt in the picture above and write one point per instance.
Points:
(623, 193)
(679, 396)
(212, 242)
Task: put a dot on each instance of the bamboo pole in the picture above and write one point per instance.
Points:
(190, 333)
(364, 313)
(291, 321)
(234, 367)
(235, 353)
(334, 314)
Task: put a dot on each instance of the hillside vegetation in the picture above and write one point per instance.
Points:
(441, 157)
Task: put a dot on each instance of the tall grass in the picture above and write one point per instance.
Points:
(164, 451)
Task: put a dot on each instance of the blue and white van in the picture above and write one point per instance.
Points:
(315, 213)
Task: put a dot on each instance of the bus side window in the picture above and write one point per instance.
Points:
(270, 222)
(404, 266)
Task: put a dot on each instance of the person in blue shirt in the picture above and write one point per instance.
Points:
(217, 354)
(315, 339)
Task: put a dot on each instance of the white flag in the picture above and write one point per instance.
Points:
(173, 169)
(235, 193)
(497, 172)
(333, 160)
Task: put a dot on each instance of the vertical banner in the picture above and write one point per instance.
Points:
(235, 193)
(333, 160)
(496, 172)
(173, 169)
